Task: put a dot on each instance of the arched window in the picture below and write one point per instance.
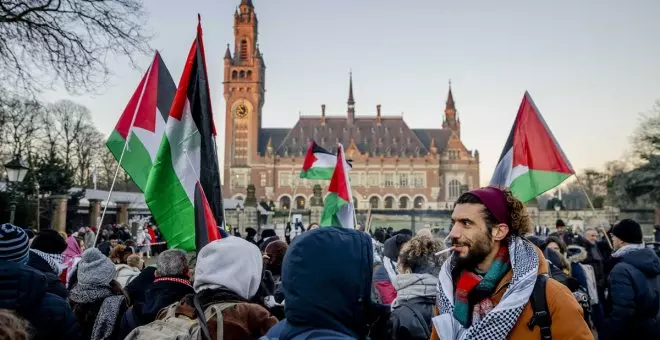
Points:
(419, 202)
(234, 74)
(249, 74)
(242, 75)
(239, 198)
(244, 50)
(355, 203)
(374, 202)
(300, 202)
(403, 202)
(389, 202)
(454, 189)
(285, 202)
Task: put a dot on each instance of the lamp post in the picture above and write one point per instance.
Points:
(36, 188)
(557, 208)
(16, 171)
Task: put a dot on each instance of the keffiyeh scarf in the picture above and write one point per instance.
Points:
(54, 260)
(471, 288)
(498, 322)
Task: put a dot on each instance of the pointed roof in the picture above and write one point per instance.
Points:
(247, 3)
(450, 105)
(227, 53)
(351, 100)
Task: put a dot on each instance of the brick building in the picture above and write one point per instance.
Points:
(394, 166)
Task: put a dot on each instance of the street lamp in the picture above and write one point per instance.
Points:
(16, 171)
(557, 208)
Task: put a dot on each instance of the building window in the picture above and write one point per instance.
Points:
(263, 179)
(300, 202)
(239, 181)
(403, 180)
(454, 154)
(388, 181)
(373, 179)
(419, 202)
(285, 202)
(403, 202)
(418, 180)
(285, 179)
(374, 202)
(389, 202)
(354, 178)
(234, 75)
(249, 74)
(454, 189)
(242, 76)
(244, 50)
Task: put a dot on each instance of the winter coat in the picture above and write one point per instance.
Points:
(125, 274)
(162, 293)
(412, 310)
(137, 288)
(328, 298)
(54, 284)
(24, 290)
(633, 304)
(565, 312)
(98, 304)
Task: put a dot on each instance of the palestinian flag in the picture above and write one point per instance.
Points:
(532, 161)
(143, 123)
(338, 208)
(319, 163)
(183, 191)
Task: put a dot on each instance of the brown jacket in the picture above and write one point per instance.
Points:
(243, 321)
(567, 315)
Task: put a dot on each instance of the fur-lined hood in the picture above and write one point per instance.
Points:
(576, 254)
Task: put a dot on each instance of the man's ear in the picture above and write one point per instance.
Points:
(500, 231)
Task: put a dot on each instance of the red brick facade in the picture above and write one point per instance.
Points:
(394, 166)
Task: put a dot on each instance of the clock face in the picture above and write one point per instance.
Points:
(241, 111)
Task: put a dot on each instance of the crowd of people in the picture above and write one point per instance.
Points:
(490, 278)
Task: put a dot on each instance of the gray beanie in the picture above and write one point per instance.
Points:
(95, 268)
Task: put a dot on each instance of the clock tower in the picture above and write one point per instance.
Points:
(244, 90)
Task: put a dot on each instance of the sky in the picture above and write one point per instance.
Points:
(591, 66)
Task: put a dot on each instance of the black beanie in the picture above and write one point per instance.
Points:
(49, 241)
(560, 223)
(628, 231)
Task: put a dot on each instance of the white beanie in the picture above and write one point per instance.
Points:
(231, 262)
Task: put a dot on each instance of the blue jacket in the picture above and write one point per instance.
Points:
(24, 290)
(633, 304)
(326, 278)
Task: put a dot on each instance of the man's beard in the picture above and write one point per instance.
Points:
(478, 250)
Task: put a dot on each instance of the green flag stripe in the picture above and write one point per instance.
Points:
(332, 205)
(136, 162)
(317, 173)
(169, 203)
(535, 182)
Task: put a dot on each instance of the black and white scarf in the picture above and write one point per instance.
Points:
(54, 260)
(497, 323)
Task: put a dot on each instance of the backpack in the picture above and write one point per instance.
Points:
(541, 316)
(169, 325)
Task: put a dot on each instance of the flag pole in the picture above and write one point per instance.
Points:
(123, 151)
(591, 205)
(355, 224)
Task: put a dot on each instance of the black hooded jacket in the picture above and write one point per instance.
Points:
(633, 304)
(24, 290)
(54, 284)
(329, 296)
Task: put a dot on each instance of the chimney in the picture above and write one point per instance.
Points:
(378, 114)
(323, 115)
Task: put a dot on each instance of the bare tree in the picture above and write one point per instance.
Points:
(68, 120)
(67, 41)
(20, 127)
(646, 140)
(88, 146)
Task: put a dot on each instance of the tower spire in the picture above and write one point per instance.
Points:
(351, 100)
(450, 105)
(247, 3)
(227, 53)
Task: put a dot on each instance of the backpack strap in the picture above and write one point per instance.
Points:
(421, 320)
(203, 326)
(541, 316)
(216, 310)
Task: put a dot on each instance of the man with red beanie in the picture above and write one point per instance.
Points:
(485, 287)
